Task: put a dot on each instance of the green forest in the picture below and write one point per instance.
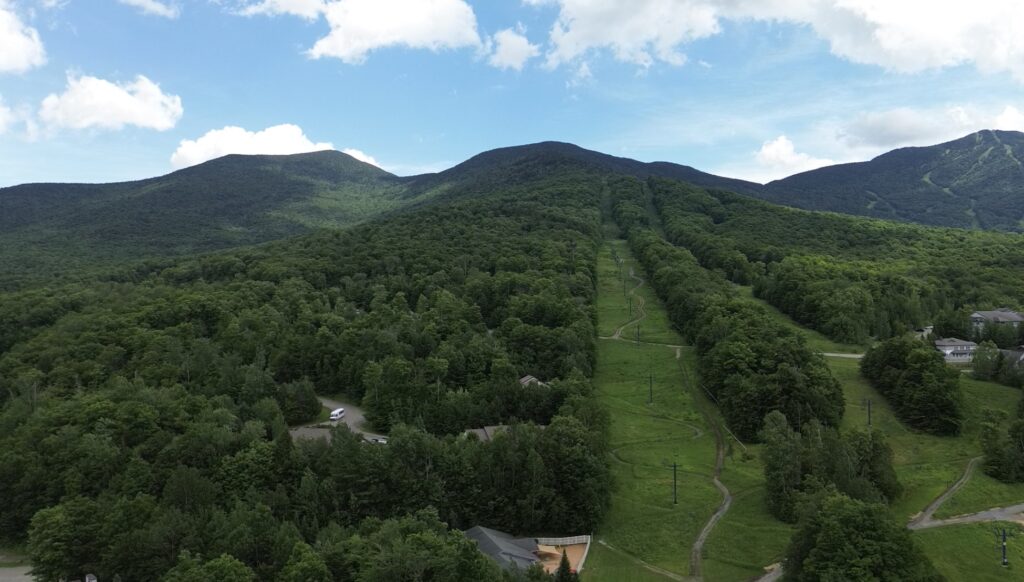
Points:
(149, 408)
(146, 405)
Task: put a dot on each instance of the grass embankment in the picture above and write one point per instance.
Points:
(970, 552)
(12, 557)
(928, 464)
(815, 340)
(643, 525)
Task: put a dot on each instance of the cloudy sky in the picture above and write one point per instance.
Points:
(105, 90)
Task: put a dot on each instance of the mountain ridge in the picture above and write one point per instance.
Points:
(976, 181)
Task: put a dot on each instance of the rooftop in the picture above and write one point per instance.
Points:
(953, 342)
(1002, 315)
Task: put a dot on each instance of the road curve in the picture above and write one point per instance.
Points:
(925, 519)
(354, 418)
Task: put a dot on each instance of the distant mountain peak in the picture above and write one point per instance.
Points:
(976, 181)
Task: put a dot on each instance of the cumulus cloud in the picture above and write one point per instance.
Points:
(154, 7)
(359, 27)
(277, 140)
(904, 36)
(778, 158)
(89, 102)
(512, 49)
(904, 126)
(308, 9)
(361, 156)
(20, 46)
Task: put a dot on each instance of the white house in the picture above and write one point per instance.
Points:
(956, 351)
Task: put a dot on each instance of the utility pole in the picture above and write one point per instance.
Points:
(650, 387)
(1006, 561)
(675, 501)
(867, 403)
(630, 306)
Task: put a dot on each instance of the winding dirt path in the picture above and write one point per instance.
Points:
(641, 303)
(926, 520)
(697, 550)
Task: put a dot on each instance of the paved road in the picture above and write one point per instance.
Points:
(846, 356)
(354, 418)
(18, 574)
(924, 520)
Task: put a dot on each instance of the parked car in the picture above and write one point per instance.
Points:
(337, 414)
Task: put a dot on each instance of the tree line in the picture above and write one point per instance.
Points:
(748, 363)
(149, 408)
(914, 378)
(850, 278)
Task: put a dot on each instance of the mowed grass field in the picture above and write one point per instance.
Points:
(613, 304)
(970, 552)
(927, 464)
(643, 525)
(644, 528)
(815, 340)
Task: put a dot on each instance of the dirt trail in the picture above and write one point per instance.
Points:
(697, 549)
(926, 520)
(641, 313)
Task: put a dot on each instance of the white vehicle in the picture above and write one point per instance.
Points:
(337, 414)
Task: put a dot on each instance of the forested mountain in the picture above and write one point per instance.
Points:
(973, 182)
(521, 162)
(235, 201)
(229, 202)
(144, 417)
(145, 407)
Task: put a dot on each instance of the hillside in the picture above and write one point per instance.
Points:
(229, 202)
(974, 182)
(526, 162)
(235, 201)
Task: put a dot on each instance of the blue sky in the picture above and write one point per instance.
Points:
(106, 90)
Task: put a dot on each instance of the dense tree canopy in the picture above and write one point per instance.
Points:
(149, 409)
(914, 378)
(749, 363)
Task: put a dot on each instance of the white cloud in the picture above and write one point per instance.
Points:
(636, 31)
(359, 27)
(20, 46)
(512, 49)
(154, 7)
(879, 131)
(361, 156)
(903, 36)
(277, 140)
(1011, 119)
(89, 102)
(7, 117)
(778, 158)
(308, 9)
